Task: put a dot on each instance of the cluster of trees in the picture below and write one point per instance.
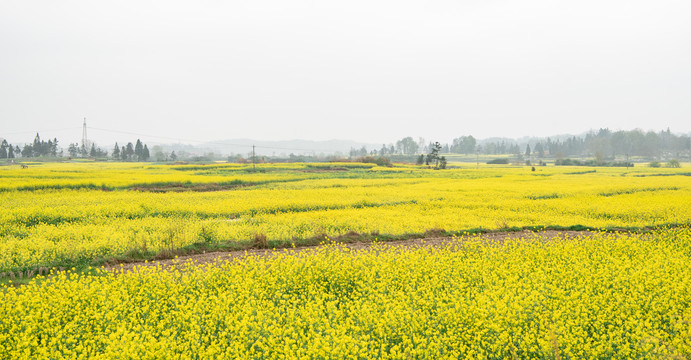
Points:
(86, 151)
(7, 151)
(35, 149)
(129, 152)
(433, 157)
(408, 146)
(405, 146)
(40, 148)
(603, 143)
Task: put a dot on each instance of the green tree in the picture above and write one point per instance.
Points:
(129, 151)
(433, 156)
(3, 149)
(674, 163)
(73, 149)
(407, 146)
(383, 150)
(463, 145)
(36, 147)
(442, 162)
(539, 150)
(139, 150)
(93, 152)
(28, 151)
(145, 153)
(116, 152)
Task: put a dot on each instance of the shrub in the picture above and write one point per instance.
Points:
(503, 161)
(259, 241)
(574, 162)
(379, 160)
(674, 163)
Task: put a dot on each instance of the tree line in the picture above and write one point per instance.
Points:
(129, 152)
(40, 148)
(36, 149)
(602, 143)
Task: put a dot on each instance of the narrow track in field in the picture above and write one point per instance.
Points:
(211, 257)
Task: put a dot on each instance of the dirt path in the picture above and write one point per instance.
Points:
(358, 246)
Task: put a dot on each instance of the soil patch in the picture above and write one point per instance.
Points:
(211, 257)
(323, 170)
(180, 187)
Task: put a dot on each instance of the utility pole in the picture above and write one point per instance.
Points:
(84, 140)
(254, 160)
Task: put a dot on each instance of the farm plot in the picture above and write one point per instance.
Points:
(86, 214)
(601, 296)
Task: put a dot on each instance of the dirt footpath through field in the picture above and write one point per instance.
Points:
(357, 246)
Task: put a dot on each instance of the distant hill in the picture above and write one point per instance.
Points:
(283, 147)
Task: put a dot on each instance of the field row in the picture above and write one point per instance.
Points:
(75, 227)
(605, 296)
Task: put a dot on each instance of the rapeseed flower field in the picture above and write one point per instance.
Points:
(605, 296)
(622, 291)
(77, 214)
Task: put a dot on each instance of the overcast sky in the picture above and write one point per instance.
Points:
(372, 71)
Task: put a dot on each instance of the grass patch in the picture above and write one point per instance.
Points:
(543, 197)
(260, 241)
(580, 172)
(674, 174)
(633, 191)
(188, 186)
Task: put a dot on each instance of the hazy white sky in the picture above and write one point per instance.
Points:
(370, 70)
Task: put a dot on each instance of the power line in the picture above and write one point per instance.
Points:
(207, 142)
(39, 131)
(139, 134)
(83, 128)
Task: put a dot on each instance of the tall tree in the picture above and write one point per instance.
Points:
(139, 150)
(28, 151)
(433, 156)
(129, 151)
(36, 148)
(145, 153)
(463, 145)
(116, 152)
(73, 149)
(3, 149)
(539, 150)
(54, 147)
(407, 146)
